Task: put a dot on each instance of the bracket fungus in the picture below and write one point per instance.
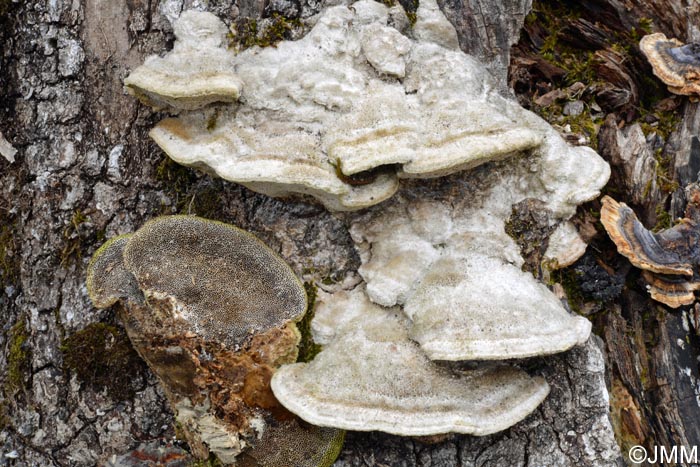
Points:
(212, 311)
(668, 258)
(196, 73)
(350, 108)
(447, 260)
(674, 63)
(440, 258)
(371, 376)
(342, 114)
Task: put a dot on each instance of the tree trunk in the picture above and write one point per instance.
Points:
(86, 171)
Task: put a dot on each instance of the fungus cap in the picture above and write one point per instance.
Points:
(457, 274)
(565, 246)
(108, 280)
(278, 165)
(668, 258)
(665, 252)
(323, 114)
(673, 291)
(198, 71)
(674, 63)
(225, 281)
(371, 376)
(481, 308)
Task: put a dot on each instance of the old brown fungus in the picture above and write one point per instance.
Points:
(674, 63)
(212, 310)
(668, 258)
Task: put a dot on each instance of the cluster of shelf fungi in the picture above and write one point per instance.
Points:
(343, 115)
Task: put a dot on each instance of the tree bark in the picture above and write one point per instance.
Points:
(86, 171)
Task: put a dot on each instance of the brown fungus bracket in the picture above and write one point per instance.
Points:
(674, 63)
(212, 310)
(668, 258)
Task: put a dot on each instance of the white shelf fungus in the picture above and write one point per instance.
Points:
(447, 260)
(197, 72)
(565, 246)
(371, 376)
(322, 115)
(212, 310)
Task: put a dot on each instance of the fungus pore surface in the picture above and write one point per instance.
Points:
(218, 276)
(212, 311)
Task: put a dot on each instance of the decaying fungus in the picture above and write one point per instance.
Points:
(371, 376)
(666, 252)
(212, 310)
(674, 63)
(673, 291)
(669, 258)
(354, 94)
(197, 72)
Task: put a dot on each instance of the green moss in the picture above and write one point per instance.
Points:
(18, 358)
(584, 124)
(177, 178)
(102, 357)
(663, 219)
(308, 349)
(667, 122)
(205, 203)
(181, 185)
(278, 30)
(249, 32)
(410, 7)
(664, 173)
(644, 27)
(553, 18)
(412, 17)
(569, 280)
(211, 462)
(72, 244)
(8, 259)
